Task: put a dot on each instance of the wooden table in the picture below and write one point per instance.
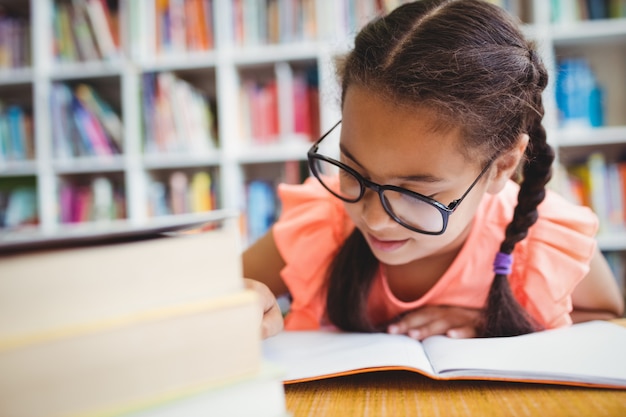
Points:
(403, 393)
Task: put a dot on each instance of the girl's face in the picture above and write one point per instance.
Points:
(395, 145)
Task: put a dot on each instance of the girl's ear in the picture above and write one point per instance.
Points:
(505, 165)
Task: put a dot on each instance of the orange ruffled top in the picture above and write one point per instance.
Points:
(547, 265)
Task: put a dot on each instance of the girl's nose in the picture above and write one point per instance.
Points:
(373, 213)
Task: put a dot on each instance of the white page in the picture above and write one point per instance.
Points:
(310, 354)
(586, 352)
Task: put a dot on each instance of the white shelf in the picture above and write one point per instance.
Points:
(589, 32)
(173, 62)
(86, 70)
(17, 168)
(613, 242)
(182, 160)
(86, 165)
(16, 76)
(267, 54)
(289, 150)
(591, 136)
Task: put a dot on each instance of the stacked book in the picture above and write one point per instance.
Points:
(137, 325)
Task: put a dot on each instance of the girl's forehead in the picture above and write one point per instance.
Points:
(389, 140)
(374, 112)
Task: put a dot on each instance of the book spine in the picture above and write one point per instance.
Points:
(14, 42)
(84, 33)
(579, 96)
(179, 201)
(110, 121)
(100, 18)
(261, 208)
(15, 119)
(91, 130)
(200, 192)
(101, 199)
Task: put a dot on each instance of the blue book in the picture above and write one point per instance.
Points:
(578, 95)
(4, 138)
(81, 121)
(148, 97)
(261, 209)
(17, 134)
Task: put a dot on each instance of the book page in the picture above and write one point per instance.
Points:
(309, 355)
(591, 352)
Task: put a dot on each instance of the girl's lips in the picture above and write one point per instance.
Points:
(386, 245)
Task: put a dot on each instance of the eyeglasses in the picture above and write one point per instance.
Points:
(412, 210)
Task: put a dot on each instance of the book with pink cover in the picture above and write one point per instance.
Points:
(586, 354)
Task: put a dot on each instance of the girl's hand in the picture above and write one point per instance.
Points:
(272, 317)
(455, 322)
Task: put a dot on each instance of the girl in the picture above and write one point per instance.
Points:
(416, 227)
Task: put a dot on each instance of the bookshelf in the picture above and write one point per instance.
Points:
(233, 58)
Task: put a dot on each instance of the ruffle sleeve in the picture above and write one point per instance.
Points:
(555, 258)
(312, 226)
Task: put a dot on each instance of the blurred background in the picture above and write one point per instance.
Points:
(115, 111)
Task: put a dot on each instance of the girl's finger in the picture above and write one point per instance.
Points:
(465, 332)
(272, 321)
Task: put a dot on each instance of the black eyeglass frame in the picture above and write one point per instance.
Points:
(445, 211)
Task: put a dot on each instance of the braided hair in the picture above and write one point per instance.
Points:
(469, 61)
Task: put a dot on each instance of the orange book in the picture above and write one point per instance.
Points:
(206, 21)
(160, 7)
(197, 36)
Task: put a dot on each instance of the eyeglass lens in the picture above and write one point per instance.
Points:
(406, 209)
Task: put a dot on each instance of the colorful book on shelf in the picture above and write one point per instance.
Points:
(260, 118)
(261, 208)
(179, 197)
(198, 30)
(587, 354)
(66, 45)
(98, 200)
(104, 28)
(83, 32)
(16, 134)
(63, 130)
(200, 192)
(148, 102)
(183, 26)
(91, 131)
(20, 207)
(103, 199)
(306, 104)
(578, 94)
(4, 139)
(106, 116)
(621, 168)
(599, 184)
(176, 115)
(14, 41)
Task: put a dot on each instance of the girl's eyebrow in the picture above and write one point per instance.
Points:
(412, 178)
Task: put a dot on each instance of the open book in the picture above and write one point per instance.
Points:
(586, 354)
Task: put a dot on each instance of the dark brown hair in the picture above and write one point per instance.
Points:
(469, 61)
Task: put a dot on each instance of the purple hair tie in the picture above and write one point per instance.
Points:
(502, 263)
